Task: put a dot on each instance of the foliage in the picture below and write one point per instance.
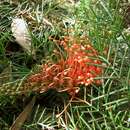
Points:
(96, 107)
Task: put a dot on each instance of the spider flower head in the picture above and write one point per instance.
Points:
(80, 67)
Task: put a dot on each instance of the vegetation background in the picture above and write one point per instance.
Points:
(106, 23)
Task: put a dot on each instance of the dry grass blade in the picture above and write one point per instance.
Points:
(23, 116)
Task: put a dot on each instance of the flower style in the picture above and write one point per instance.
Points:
(80, 67)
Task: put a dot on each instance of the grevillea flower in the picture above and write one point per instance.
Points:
(80, 67)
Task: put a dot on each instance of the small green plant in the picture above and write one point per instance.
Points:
(96, 107)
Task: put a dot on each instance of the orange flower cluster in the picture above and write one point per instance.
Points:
(79, 68)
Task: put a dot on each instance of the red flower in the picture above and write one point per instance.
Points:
(80, 67)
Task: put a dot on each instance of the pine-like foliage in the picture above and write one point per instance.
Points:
(91, 80)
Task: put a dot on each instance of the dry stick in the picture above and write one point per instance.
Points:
(65, 108)
(23, 115)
